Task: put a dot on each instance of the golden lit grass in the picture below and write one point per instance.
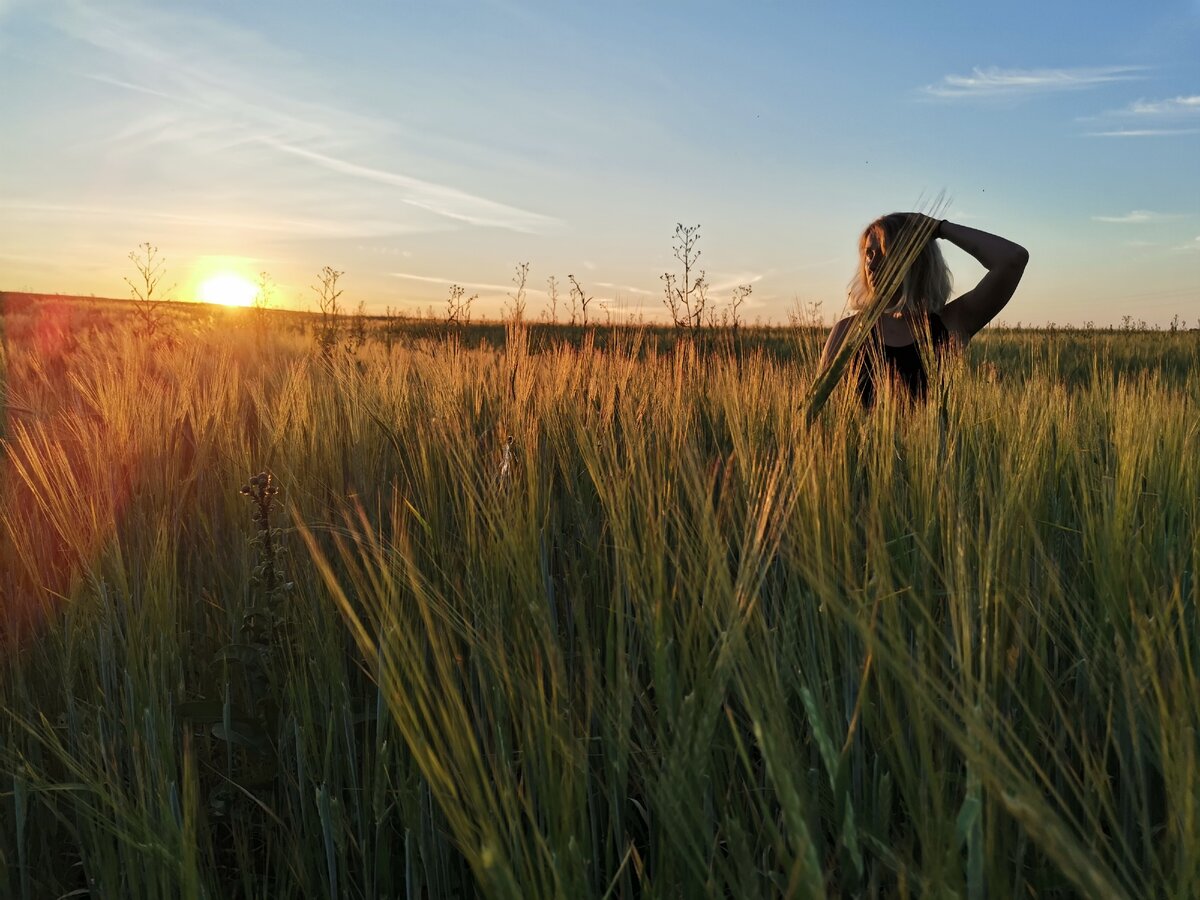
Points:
(682, 646)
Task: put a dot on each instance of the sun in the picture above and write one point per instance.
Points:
(227, 289)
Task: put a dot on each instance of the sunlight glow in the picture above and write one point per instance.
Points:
(227, 289)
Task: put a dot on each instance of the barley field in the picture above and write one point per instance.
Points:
(530, 612)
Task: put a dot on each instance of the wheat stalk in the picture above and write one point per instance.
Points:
(913, 237)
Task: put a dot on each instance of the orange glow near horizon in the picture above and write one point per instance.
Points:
(227, 289)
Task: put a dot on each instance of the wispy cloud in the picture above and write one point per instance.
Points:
(995, 82)
(1137, 217)
(214, 83)
(1173, 106)
(271, 225)
(624, 288)
(429, 279)
(727, 282)
(436, 198)
(130, 86)
(1142, 132)
(206, 71)
(1149, 118)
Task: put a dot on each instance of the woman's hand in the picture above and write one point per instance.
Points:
(923, 223)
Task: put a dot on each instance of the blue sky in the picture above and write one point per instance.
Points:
(417, 144)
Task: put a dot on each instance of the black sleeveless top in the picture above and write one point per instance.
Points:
(903, 364)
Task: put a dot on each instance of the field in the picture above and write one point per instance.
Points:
(563, 613)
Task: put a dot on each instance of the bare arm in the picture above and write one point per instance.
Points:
(1005, 264)
(836, 335)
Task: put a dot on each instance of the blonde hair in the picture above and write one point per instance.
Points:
(926, 286)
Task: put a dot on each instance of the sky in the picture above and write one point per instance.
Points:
(414, 145)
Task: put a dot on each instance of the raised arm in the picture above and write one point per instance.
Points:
(1005, 263)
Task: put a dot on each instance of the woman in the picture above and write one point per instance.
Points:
(920, 306)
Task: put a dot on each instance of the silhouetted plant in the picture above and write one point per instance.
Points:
(147, 299)
(517, 299)
(552, 296)
(740, 294)
(686, 296)
(327, 291)
(458, 306)
(579, 300)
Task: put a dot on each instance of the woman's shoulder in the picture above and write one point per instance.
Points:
(840, 326)
(834, 342)
(837, 334)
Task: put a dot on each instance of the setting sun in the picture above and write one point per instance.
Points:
(227, 289)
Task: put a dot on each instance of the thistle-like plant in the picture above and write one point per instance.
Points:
(262, 491)
(517, 299)
(458, 306)
(263, 623)
(552, 299)
(246, 715)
